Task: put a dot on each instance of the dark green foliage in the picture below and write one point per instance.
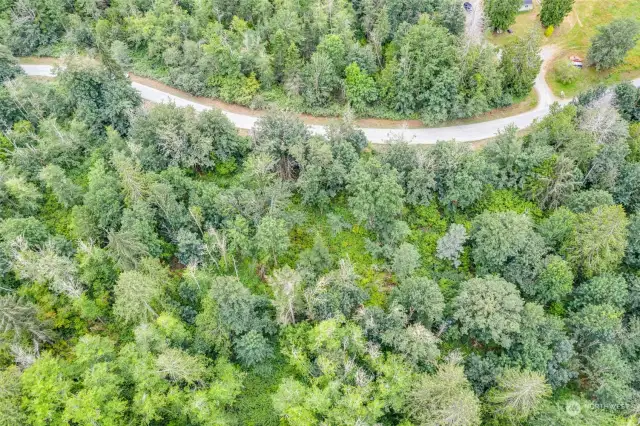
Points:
(376, 197)
(632, 255)
(306, 279)
(36, 24)
(172, 136)
(554, 11)
(426, 83)
(520, 62)
(506, 243)
(9, 68)
(585, 201)
(100, 96)
(613, 41)
(488, 309)
(627, 100)
(421, 300)
(604, 289)
(502, 13)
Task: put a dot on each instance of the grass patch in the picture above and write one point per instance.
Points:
(574, 38)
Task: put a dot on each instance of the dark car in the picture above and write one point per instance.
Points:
(467, 6)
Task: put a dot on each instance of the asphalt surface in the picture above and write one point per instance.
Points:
(462, 133)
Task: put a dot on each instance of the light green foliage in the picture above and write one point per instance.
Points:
(98, 401)
(565, 72)
(376, 198)
(45, 389)
(45, 266)
(30, 229)
(167, 271)
(67, 193)
(554, 283)
(611, 44)
(558, 178)
(595, 324)
(177, 366)
(406, 260)
(451, 245)
(343, 391)
(138, 292)
(445, 398)
(272, 238)
(518, 393)
(558, 227)
(598, 241)
(360, 87)
(286, 285)
(553, 12)
(10, 392)
(488, 309)
(172, 136)
(20, 318)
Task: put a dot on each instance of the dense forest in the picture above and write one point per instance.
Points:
(383, 58)
(158, 268)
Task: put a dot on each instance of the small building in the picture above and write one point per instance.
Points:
(527, 5)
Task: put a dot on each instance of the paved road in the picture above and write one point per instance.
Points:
(463, 133)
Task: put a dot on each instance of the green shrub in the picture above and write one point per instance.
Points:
(549, 31)
(564, 72)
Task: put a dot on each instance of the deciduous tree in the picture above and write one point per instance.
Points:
(612, 43)
(488, 309)
(553, 12)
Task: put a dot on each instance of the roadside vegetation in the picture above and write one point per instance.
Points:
(382, 58)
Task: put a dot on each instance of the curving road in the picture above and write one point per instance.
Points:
(462, 133)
